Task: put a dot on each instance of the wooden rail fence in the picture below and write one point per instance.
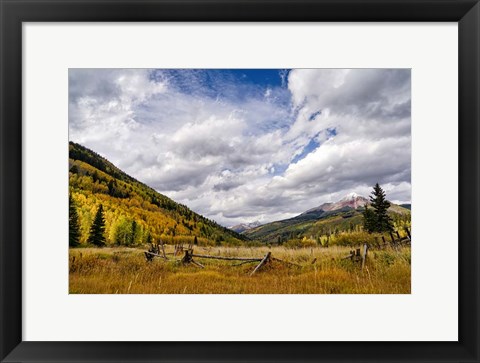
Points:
(396, 241)
(158, 250)
(357, 255)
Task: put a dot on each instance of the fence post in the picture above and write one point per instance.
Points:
(263, 262)
(163, 249)
(408, 233)
(187, 258)
(391, 236)
(364, 256)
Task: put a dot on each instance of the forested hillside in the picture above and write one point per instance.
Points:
(132, 212)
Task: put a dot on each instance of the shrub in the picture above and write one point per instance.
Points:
(300, 243)
(353, 239)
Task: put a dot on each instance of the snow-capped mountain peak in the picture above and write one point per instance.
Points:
(352, 200)
(350, 196)
(239, 228)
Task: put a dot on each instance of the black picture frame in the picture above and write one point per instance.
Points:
(14, 12)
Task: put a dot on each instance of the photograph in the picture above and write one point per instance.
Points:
(239, 181)
(261, 165)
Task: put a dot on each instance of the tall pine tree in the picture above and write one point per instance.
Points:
(377, 218)
(73, 225)
(97, 230)
(368, 220)
(133, 233)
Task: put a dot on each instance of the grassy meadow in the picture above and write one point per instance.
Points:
(317, 270)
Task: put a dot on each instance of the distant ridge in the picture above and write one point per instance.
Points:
(343, 214)
(239, 228)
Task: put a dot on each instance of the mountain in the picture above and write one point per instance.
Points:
(343, 215)
(239, 228)
(406, 206)
(134, 213)
(352, 200)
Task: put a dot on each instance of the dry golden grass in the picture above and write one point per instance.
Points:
(125, 271)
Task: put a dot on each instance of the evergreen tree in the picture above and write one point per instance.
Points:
(369, 220)
(73, 225)
(111, 188)
(133, 233)
(97, 230)
(148, 238)
(95, 176)
(378, 220)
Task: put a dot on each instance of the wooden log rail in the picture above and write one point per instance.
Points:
(396, 239)
(227, 258)
(155, 251)
(159, 251)
(289, 263)
(188, 258)
(189, 255)
(350, 256)
(153, 254)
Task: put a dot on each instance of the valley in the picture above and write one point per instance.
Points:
(115, 220)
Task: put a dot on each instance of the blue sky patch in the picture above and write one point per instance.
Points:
(313, 115)
(226, 83)
(331, 132)
(311, 146)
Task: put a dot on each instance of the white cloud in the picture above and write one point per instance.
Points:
(247, 155)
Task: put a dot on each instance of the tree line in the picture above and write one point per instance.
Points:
(126, 234)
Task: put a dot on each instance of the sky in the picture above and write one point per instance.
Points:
(247, 145)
